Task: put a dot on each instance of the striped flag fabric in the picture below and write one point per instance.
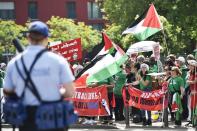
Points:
(146, 25)
(105, 64)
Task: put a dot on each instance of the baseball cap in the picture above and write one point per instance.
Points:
(192, 63)
(39, 27)
(2, 65)
(190, 57)
(181, 59)
(144, 66)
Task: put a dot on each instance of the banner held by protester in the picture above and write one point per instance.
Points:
(91, 101)
(151, 101)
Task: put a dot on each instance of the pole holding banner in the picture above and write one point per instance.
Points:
(127, 108)
(165, 111)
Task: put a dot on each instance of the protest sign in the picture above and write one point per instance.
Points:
(151, 101)
(91, 101)
(71, 50)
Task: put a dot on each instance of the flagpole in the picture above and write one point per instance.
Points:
(165, 43)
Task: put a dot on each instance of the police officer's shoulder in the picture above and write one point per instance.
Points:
(13, 60)
(11, 63)
(56, 57)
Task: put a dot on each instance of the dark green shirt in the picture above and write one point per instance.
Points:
(154, 69)
(120, 80)
(149, 86)
(184, 73)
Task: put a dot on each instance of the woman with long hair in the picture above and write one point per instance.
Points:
(176, 89)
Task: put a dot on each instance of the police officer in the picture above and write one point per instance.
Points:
(50, 72)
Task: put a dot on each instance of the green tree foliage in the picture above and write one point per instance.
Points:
(66, 29)
(179, 20)
(114, 32)
(60, 29)
(8, 31)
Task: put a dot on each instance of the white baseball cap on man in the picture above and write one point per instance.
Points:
(144, 66)
(181, 59)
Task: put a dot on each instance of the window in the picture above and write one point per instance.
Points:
(94, 11)
(7, 10)
(71, 10)
(97, 26)
(32, 10)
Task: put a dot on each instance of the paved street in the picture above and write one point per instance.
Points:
(121, 126)
(130, 129)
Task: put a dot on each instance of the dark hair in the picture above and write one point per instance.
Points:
(137, 65)
(172, 57)
(169, 62)
(143, 75)
(152, 61)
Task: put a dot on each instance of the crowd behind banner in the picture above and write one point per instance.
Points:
(147, 75)
(108, 97)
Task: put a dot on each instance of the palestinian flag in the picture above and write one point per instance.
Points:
(146, 25)
(113, 49)
(106, 64)
(98, 71)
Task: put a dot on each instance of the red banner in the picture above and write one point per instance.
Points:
(151, 101)
(91, 101)
(71, 50)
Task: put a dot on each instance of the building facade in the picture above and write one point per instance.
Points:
(79, 10)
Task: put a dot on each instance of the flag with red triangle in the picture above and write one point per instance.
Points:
(111, 48)
(106, 64)
(146, 25)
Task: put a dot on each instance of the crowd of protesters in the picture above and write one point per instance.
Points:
(180, 73)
